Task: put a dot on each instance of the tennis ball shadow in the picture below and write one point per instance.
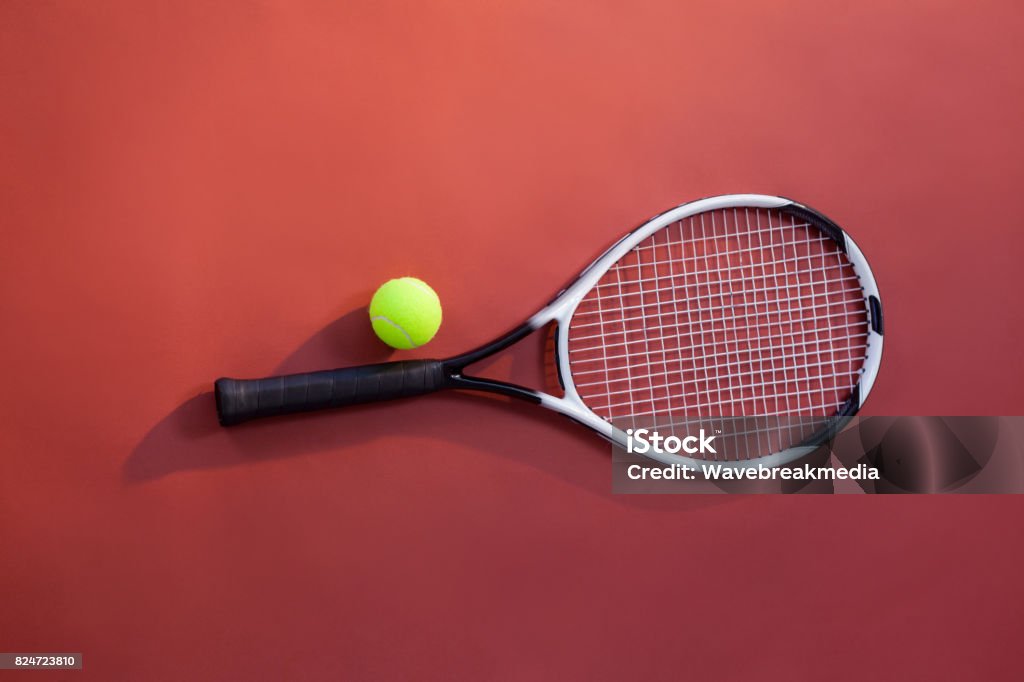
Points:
(190, 439)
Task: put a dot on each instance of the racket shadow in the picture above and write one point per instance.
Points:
(190, 439)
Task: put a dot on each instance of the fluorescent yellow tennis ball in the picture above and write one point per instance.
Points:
(405, 313)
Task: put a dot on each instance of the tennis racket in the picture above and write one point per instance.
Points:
(738, 306)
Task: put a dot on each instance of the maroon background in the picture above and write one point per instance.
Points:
(196, 189)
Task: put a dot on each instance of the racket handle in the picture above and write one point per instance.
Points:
(240, 400)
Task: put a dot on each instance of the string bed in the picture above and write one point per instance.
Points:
(734, 313)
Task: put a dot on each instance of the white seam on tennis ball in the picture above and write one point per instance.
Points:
(398, 327)
(422, 286)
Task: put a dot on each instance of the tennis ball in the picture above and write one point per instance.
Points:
(405, 313)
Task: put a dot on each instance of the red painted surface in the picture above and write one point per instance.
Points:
(216, 188)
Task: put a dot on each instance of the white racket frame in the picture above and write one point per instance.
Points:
(561, 310)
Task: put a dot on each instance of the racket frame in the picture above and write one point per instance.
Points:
(241, 400)
(560, 311)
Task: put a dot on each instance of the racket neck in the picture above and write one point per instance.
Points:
(455, 367)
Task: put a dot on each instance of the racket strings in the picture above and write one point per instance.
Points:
(733, 313)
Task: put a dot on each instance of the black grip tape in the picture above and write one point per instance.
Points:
(240, 400)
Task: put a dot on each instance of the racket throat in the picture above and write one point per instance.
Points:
(470, 383)
(455, 376)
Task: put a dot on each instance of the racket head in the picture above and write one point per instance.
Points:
(748, 309)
